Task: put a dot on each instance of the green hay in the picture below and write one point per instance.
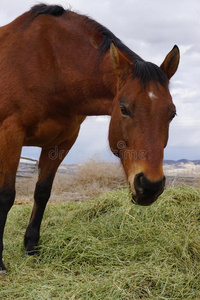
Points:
(108, 248)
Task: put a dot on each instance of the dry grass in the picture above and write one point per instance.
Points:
(87, 181)
(90, 180)
(25, 190)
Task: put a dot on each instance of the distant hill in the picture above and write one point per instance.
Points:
(185, 161)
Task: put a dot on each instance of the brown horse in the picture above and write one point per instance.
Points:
(56, 69)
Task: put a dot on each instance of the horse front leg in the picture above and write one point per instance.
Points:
(48, 165)
(7, 197)
(11, 141)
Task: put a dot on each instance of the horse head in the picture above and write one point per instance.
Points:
(141, 114)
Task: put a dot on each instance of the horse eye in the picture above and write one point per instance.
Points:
(172, 116)
(125, 111)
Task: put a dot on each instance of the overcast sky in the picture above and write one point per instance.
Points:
(150, 28)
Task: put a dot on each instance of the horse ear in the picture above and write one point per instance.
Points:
(170, 64)
(122, 66)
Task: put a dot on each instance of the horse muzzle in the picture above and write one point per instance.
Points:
(146, 191)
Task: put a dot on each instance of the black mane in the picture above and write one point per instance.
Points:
(145, 71)
(43, 9)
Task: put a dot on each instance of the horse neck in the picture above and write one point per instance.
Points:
(92, 78)
(102, 88)
(97, 89)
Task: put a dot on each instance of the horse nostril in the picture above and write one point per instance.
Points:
(138, 183)
(143, 185)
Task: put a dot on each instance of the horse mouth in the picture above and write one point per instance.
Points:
(145, 200)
